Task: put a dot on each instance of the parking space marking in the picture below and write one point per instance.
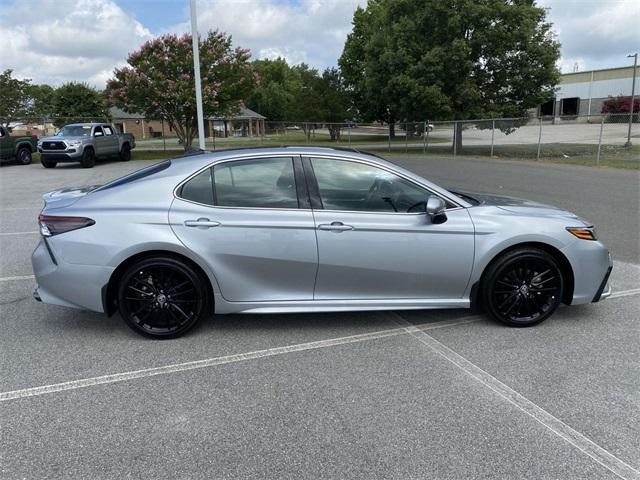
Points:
(19, 233)
(19, 277)
(625, 293)
(211, 362)
(557, 426)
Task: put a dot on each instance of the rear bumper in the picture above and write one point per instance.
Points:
(67, 284)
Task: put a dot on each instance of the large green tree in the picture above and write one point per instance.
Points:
(454, 59)
(77, 102)
(274, 97)
(14, 97)
(159, 83)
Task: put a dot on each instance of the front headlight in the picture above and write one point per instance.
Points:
(583, 233)
(73, 143)
(39, 144)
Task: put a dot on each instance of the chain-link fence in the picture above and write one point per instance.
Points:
(607, 139)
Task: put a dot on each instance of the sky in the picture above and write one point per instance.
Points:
(55, 41)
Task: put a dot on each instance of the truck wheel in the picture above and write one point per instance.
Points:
(88, 158)
(48, 163)
(24, 156)
(125, 153)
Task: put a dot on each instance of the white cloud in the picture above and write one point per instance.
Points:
(595, 33)
(58, 41)
(312, 31)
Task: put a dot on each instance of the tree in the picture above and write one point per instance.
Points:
(621, 104)
(158, 82)
(459, 59)
(274, 97)
(41, 100)
(75, 102)
(14, 97)
(334, 101)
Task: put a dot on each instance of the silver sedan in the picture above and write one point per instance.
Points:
(306, 230)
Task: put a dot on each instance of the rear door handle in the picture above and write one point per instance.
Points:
(201, 223)
(335, 227)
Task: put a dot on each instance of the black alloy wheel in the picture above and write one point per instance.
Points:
(523, 287)
(88, 159)
(24, 156)
(48, 163)
(161, 297)
(125, 153)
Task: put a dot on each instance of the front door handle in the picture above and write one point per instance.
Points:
(201, 223)
(335, 227)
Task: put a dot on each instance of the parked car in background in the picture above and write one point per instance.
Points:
(17, 148)
(276, 230)
(84, 143)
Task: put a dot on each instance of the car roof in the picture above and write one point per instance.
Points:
(86, 124)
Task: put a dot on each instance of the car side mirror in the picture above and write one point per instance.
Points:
(435, 208)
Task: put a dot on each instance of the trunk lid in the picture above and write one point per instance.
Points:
(65, 197)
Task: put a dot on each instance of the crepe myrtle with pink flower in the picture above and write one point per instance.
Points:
(158, 81)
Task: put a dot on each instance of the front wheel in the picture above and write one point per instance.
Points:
(161, 297)
(47, 163)
(125, 153)
(24, 156)
(523, 287)
(88, 159)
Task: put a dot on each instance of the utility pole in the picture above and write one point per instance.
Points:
(195, 42)
(633, 96)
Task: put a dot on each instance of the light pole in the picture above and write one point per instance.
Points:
(195, 42)
(633, 96)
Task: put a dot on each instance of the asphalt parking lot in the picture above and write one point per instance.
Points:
(421, 394)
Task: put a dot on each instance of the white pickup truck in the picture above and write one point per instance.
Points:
(84, 143)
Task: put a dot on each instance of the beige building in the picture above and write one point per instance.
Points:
(583, 93)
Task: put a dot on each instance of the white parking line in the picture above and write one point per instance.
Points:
(19, 277)
(557, 426)
(625, 293)
(211, 362)
(19, 233)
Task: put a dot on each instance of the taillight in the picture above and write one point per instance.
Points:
(51, 225)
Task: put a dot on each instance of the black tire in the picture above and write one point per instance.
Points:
(48, 163)
(522, 287)
(125, 152)
(24, 156)
(162, 297)
(88, 159)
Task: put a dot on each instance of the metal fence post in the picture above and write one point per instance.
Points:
(164, 140)
(389, 137)
(307, 132)
(424, 137)
(493, 130)
(406, 137)
(600, 141)
(455, 139)
(539, 138)
(349, 133)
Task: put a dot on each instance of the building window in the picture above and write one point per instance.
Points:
(570, 106)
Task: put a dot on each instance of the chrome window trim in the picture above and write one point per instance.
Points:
(311, 155)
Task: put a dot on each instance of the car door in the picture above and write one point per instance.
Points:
(112, 146)
(100, 142)
(250, 220)
(375, 240)
(5, 147)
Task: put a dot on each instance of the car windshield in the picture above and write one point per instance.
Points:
(75, 131)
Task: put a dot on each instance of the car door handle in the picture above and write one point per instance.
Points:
(335, 227)
(201, 223)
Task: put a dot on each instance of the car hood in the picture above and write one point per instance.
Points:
(66, 196)
(523, 206)
(57, 138)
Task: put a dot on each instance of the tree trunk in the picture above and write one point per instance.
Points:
(334, 132)
(456, 146)
(392, 129)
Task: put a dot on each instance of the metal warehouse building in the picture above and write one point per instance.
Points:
(583, 93)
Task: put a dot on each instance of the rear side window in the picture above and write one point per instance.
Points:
(107, 130)
(199, 189)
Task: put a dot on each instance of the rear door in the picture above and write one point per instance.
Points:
(250, 220)
(373, 245)
(112, 145)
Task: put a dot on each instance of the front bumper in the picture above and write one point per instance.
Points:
(604, 290)
(60, 156)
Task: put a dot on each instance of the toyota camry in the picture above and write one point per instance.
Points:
(297, 229)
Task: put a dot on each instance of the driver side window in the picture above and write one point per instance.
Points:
(346, 185)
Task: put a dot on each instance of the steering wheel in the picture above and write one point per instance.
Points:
(417, 204)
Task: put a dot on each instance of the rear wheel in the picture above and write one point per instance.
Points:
(125, 153)
(88, 159)
(24, 156)
(161, 297)
(48, 163)
(523, 287)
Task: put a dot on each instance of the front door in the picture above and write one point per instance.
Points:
(376, 242)
(244, 218)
